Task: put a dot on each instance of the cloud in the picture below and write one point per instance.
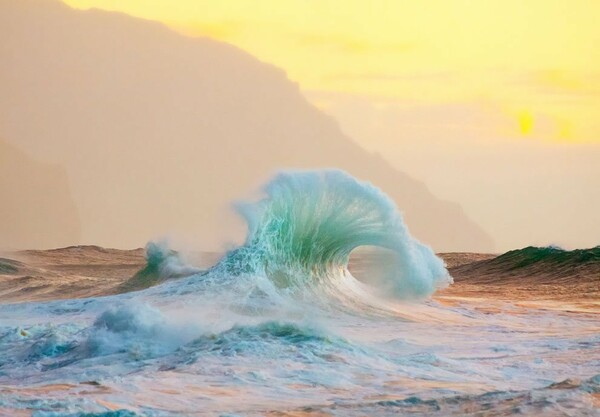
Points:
(433, 76)
(224, 30)
(351, 45)
(560, 82)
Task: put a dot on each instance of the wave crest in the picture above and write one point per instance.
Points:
(305, 228)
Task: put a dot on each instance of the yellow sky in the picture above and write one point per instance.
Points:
(537, 61)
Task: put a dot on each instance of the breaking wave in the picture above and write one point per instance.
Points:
(162, 263)
(303, 231)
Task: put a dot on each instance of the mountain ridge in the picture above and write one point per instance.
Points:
(160, 132)
(36, 202)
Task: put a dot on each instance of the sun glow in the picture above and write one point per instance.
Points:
(526, 122)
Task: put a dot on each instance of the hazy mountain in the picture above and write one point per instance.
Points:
(36, 209)
(160, 132)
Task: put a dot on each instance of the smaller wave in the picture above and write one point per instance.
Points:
(521, 258)
(551, 260)
(274, 340)
(240, 336)
(162, 263)
(538, 267)
(9, 267)
(133, 331)
(137, 330)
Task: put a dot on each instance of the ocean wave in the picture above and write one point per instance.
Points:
(530, 255)
(303, 232)
(532, 265)
(162, 263)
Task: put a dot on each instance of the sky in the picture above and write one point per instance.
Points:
(495, 104)
(536, 62)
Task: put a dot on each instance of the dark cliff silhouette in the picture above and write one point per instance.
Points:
(36, 209)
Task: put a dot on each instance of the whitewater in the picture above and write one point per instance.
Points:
(281, 327)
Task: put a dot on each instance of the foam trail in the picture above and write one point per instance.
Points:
(305, 228)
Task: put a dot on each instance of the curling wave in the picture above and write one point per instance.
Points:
(305, 228)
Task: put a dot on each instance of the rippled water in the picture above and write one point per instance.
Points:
(281, 327)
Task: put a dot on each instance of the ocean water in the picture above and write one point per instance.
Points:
(281, 327)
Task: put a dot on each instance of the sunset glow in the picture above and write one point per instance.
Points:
(541, 56)
(299, 208)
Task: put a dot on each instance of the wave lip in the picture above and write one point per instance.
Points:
(305, 228)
